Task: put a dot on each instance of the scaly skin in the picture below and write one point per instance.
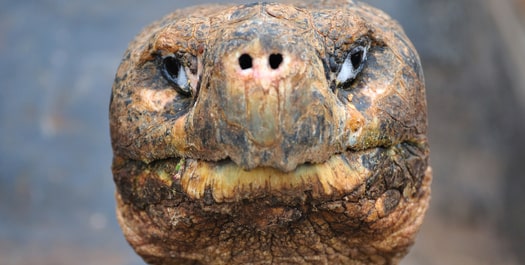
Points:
(269, 164)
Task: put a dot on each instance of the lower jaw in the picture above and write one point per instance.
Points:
(334, 232)
(357, 205)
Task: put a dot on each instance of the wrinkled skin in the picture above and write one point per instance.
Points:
(271, 162)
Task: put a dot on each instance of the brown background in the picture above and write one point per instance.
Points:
(57, 62)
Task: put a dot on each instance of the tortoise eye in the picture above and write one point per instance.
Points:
(357, 57)
(173, 71)
(353, 64)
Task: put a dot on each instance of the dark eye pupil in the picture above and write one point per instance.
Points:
(171, 68)
(356, 58)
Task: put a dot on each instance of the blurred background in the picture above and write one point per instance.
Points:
(57, 63)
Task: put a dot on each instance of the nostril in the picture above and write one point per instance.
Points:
(275, 60)
(245, 61)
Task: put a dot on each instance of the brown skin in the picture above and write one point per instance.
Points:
(277, 163)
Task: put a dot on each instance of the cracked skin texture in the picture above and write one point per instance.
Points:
(280, 165)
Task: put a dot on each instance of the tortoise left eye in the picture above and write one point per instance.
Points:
(353, 65)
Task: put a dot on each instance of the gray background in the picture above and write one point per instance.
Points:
(57, 62)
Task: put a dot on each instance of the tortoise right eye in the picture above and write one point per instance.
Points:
(173, 71)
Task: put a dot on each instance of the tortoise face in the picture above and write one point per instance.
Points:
(261, 101)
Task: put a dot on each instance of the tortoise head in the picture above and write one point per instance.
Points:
(268, 110)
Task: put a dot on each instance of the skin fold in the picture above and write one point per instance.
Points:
(237, 139)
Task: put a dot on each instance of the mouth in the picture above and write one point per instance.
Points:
(339, 176)
(227, 182)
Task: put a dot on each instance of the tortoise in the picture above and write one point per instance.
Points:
(271, 133)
